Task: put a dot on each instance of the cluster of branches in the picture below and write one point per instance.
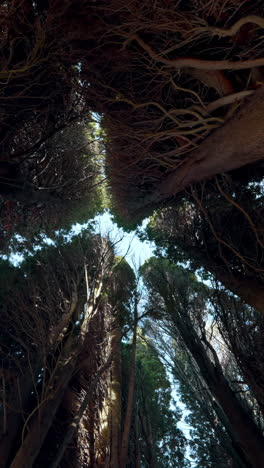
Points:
(163, 75)
(51, 314)
(37, 77)
(58, 185)
(164, 79)
(47, 164)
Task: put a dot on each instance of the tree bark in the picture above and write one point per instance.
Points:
(237, 143)
(116, 397)
(130, 398)
(77, 418)
(240, 141)
(147, 431)
(18, 403)
(137, 440)
(38, 430)
(42, 420)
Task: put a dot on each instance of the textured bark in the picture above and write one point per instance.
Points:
(116, 397)
(77, 418)
(238, 142)
(38, 430)
(18, 402)
(130, 398)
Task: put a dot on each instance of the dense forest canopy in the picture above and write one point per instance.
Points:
(148, 110)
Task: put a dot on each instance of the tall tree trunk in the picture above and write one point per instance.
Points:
(137, 442)
(233, 448)
(130, 398)
(245, 433)
(41, 423)
(152, 455)
(17, 405)
(237, 143)
(147, 431)
(65, 366)
(116, 397)
(23, 389)
(77, 418)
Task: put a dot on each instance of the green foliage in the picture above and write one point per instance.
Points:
(209, 443)
(154, 428)
(121, 288)
(121, 220)
(216, 229)
(172, 282)
(180, 330)
(63, 184)
(164, 245)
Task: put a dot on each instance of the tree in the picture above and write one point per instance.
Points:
(123, 287)
(59, 185)
(178, 89)
(170, 105)
(155, 439)
(240, 328)
(48, 147)
(219, 229)
(48, 324)
(131, 389)
(184, 302)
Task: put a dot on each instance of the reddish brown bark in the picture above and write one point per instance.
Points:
(17, 404)
(238, 142)
(116, 398)
(130, 398)
(30, 448)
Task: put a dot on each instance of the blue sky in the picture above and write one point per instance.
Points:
(127, 244)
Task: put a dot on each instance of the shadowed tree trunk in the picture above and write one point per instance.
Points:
(21, 392)
(237, 143)
(137, 442)
(77, 418)
(244, 432)
(147, 431)
(43, 419)
(130, 398)
(38, 430)
(116, 397)
(250, 291)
